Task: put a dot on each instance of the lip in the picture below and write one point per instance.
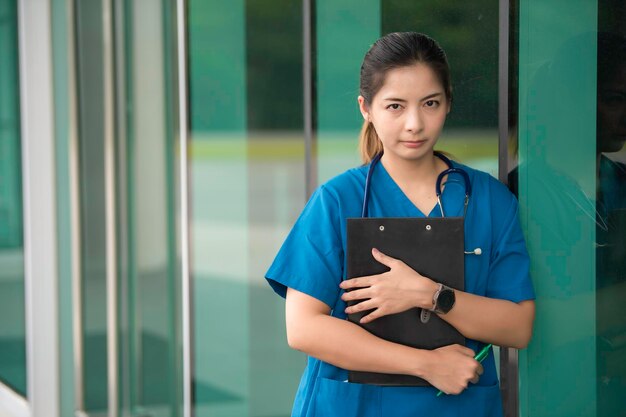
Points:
(414, 143)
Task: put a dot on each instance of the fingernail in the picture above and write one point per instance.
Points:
(375, 251)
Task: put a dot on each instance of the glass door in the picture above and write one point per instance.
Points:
(273, 114)
(12, 308)
(572, 192)
(127, 316)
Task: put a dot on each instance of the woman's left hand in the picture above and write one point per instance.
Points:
(397, 290)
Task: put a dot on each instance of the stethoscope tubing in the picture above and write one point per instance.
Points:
(450, 170)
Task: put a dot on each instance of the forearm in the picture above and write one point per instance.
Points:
(344, 344)
(501, 322)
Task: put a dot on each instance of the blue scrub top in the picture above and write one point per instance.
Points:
(312, 261)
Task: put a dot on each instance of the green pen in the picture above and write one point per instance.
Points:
(479, 357)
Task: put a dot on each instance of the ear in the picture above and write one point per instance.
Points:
(449, 105)
(364, 108)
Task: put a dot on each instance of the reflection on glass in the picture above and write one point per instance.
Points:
(573, 199)
(572, 186)
(557, 204)
(247, 186)
(611, 225)
(12, 325)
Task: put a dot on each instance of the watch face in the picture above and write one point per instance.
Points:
(445, 301)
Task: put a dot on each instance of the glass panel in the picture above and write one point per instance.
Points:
(468, 32)
(150, 380)
(275, 191)
(611, 206)
(247, 179)
(62, 125)
(12, 321)
(572, 195)
(149, 360)
(90, 67)
(345, 30)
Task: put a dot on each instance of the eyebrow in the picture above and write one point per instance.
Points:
(422, 99)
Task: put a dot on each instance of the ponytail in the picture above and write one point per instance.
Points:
(369, 143)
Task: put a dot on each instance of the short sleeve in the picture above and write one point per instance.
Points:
(509, 270)
(311, 258)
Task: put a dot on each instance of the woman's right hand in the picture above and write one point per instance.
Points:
(452, 368)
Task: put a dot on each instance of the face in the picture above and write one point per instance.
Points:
(611, 124)
(408, 112)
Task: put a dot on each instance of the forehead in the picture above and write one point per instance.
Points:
(416, 80)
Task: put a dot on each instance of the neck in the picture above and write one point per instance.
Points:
(414, 172)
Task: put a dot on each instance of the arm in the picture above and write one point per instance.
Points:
(491, 320)
(501, 322)
(310, 329)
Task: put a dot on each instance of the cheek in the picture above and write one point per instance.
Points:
(438, 121)
(607, 117)
(385, 123)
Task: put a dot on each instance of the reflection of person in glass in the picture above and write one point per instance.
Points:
(611, 226)
(405, 97)
(570, 203)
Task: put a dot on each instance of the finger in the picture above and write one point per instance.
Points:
(362, 306)
(371, 317)
(384, 259)
(361, 294)
(465, 350)
(480, 370)
(360, 282)
(475, 379)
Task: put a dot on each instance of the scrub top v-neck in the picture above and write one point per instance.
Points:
(312, 261)
(452, 196)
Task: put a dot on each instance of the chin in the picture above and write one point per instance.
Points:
(611, 145)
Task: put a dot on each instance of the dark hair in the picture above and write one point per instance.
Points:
(611, 55)
(395, 50)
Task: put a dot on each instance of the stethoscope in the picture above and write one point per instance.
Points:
(450, 170)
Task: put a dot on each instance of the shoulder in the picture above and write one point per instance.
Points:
(619, 168)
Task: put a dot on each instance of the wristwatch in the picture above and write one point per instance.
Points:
(443, 300)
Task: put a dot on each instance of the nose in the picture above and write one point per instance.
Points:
(414, 122)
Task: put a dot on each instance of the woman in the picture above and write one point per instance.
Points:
(405, 96)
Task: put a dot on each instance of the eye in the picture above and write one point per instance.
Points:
(432, 103)
(394, 106)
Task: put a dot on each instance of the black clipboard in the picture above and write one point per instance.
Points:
(432, 246)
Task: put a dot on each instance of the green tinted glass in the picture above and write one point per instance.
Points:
(345, 31)
(247, 187)
(572, 195)
(12, 322)
(147, 299)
